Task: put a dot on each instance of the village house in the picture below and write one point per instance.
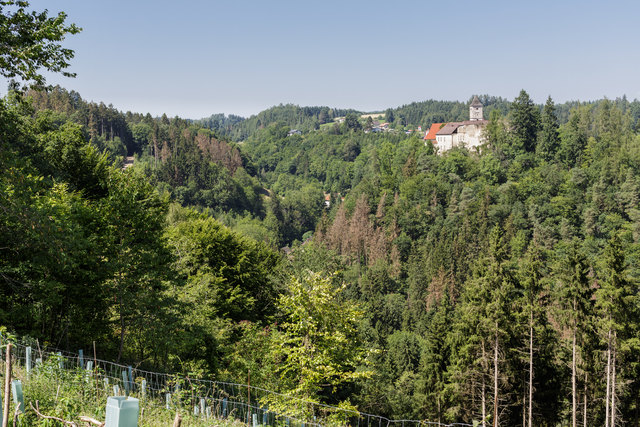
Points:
(467, 134)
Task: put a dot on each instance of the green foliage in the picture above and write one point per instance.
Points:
(455, 271)
(548, 139)
(317, 343)
(29, 42)
(69, 394)
(525, 121)
(228, 274)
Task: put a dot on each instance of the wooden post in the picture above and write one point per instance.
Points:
(7, 388)
(95, 363)
(177, 420)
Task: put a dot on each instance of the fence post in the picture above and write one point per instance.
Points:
(81, 358)
(168, 400)
(116, 390)
(60, 361)
(202, 406)
(7, 388)
(224, 407)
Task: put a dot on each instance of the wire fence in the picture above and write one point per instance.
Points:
(206, 398)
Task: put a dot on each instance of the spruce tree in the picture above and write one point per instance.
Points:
(525, 121)
(616, 307)
(574, 295)
(548, 139)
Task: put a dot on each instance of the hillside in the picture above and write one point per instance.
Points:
(336, 266)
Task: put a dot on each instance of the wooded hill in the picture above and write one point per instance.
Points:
(497, 286)
(469, 270)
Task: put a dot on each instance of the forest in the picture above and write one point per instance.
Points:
(359, 269)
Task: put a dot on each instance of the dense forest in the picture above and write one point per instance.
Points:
(361, 269)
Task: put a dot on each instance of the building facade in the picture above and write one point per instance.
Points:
(467, 134)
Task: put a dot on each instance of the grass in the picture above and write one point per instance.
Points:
(69, 394)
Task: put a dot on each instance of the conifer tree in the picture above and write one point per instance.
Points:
(525, 120)
(574, 294)
(548, 139)
(532, 287)
(484, 324)
(615, 304)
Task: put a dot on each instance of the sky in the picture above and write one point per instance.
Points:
(197, 57)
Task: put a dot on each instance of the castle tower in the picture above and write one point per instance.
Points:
(475, 109)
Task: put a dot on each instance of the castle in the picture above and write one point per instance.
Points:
(467, 134)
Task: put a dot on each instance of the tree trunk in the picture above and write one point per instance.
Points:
(606, 415)
(7, 387)
(531, 368)
(584, 413)
(574, 415)
(121, 347)
(484, 386)
(613, 381)
(495, 379)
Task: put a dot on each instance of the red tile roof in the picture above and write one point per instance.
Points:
(431, 135)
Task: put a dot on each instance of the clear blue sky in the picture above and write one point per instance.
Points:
(196, 58)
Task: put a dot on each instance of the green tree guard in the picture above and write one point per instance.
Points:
(122, 412)
(125, 382)
(28, 359)
(144, 388)
(18, 398)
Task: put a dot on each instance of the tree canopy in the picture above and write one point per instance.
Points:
(30, 42)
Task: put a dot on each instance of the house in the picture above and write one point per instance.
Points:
(467, 134)
(461, 134)
(431, 134)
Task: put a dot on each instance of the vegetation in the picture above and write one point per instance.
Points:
(498, 286)
(69, 394)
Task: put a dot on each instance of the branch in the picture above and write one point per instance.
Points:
(90, 420)
(83, 418)
(69, 423)
(15, 415)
